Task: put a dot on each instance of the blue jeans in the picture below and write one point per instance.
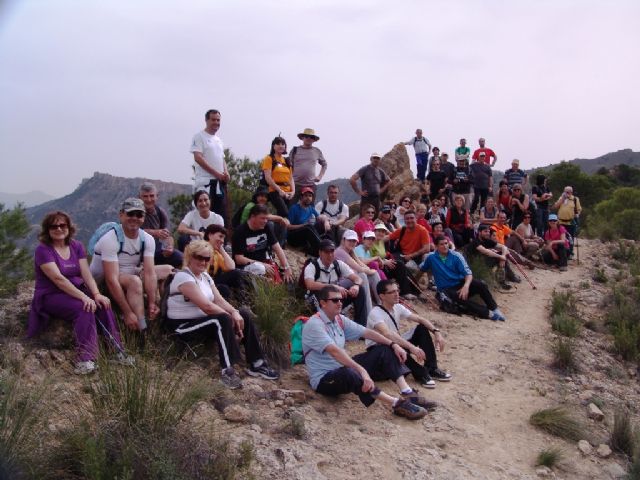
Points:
(422, 160)
(542, 217)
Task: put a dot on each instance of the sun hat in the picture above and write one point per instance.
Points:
(309, 132)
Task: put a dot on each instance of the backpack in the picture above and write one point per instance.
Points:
(316, 264)
(447, 305)
(416, 139)
(235, 220)
(274, 164)
(106, 228)
(297, 355)
(324, 208)
(395, 247)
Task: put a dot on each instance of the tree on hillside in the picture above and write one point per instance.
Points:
(179, 205)
(590, 188)
(245, 177)
(619, 216)
(15, 262)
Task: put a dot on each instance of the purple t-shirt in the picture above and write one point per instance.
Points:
(69, 268)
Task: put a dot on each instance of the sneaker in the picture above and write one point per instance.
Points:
(427, 382)
(440, 375)
(85, 368)
(505, 286)
(514, 278)
(420, 401)
(263, 371)
(497, 316)
(404, 408)
(432, 286)
(230, 379)
(122, 358)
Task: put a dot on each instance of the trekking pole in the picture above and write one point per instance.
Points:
(404, 303)
(429, 300)
(111, 338)
(577, 251)
(521, 270)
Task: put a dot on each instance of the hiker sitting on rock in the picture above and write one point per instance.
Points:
(195, 309)
(335, 211)
(195, 221)
(556, 244)
(454, 278)
(412, 241)
(495, 255)
(386, 318)
(333, 372)
(305, 225)
(277, 223)
(370, 276)
(65, 289)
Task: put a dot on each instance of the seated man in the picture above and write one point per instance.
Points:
(507, 237)
(495, 255)
(327, 270)
(412, 241)
(333, 372)
(335, 211)
(454, 278)
(385, 319)
(126, 266)
(305, 228)
(156, 224)
(278, 224)
(253, 243)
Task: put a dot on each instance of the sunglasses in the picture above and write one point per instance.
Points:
(553, 220)
(135, 213)
(406, 201)
(59, 226)
(201, 258)
(334, 300)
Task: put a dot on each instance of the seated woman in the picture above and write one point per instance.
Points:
(65, 289)
(387, 218)
(489, 213)
(195, 309)
(531, 242)
(391, 267)
(279, 223)
(364, 253)
(404, 205)
(345, 252)
(519, 205)
(439, 230)
(459, 221)
(365, 223)
(434, 215)
(278, 175)
(196, 221)
(556, 244)
(421, 213)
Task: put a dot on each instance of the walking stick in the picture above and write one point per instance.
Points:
(113, 341)
(521, 270)
(577, 251)
(429, 300)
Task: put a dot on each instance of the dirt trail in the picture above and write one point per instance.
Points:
(501, 375)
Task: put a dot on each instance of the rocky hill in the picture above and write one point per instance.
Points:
(608, 160)
(28, 199)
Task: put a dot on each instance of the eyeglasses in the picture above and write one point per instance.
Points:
(201, 258)
(135, 213)
(334, 300)
(371, 212)
(553, 220)
(406, 201)
(59, 226)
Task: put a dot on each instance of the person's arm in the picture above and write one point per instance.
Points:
(51, 270)
(495, 158)
(558, 202)
(354, 184)
(112, 280)
(229, 264)
(278, 219)
(200, 160)
(184, 228)
(525, 203)
(85, 272)
(282, 258)
(243, 261)
(150, 286)
(425, 248)
(578, 207)
(382, 340)
(323, 168)
(491, 184)
(490, 252)
(439, 339)
(463, 293)
(383, 330)
(342, 217)
(269, 179)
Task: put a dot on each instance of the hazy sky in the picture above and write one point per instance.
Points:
(121, 87)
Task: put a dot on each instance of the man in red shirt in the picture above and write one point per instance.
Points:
(490, 157)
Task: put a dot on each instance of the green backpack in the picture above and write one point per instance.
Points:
(297, 355)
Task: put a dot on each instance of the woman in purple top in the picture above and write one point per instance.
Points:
(65, 289)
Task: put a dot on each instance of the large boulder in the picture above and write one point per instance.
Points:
(396, 163)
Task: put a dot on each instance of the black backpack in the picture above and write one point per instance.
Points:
(324, 208)
(316, 264)
(235, 220)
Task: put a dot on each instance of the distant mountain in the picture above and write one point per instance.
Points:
(347, 195)
(29, 199)
(98, 199)
(608, 160)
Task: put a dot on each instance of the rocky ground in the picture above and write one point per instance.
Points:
(502, 374)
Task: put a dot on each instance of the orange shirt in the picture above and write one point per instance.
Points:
(281, 174)
(412, 241)
(501, 232)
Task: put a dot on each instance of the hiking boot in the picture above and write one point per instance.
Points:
(404, 408)
(263, 371)
(504, 285)
(497, 316)
(230, 379)
(440, 375)
(563, 269)
(85, 368)
(427, 381)
(122, 358)
(419, 400)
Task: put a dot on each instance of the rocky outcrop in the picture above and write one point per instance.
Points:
(396, 163)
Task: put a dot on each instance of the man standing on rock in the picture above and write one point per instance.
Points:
(490, 157)
(373, 182)
(454, 279)
(333, 372)
(422, 148)
(303, 159)
(210, 167)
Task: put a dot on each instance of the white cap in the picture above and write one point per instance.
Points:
(381, 226)
(368, 234)
(350, 235)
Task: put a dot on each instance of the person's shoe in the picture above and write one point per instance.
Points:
(263, 371)
(230, 379)
(563, 269)
(514, 278)
(409, 296)
(404, 408)
(440, 375)
(85, 368)
(427, 382)
(123, 359)
(505, 286)
(497, 316)
(432, 286)
(419, 400)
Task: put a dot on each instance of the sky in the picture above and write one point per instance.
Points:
(121, 87)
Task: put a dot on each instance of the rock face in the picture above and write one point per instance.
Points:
(603, 450)
(397, 165)
(237, 414)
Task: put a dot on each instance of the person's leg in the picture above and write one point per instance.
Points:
(219, 204)
(107, 319)
(282, 209)
(547, 257)
(473, 308)
(132, 286)
(360, 306)
(252, 349)
(514, 243)
(562, 256)
(381, 363)
(421, 168)
(458, 239)
(401, 276)
(346, 380)
(484, 193)
(478, 287)
(476, 200)
(422, 338)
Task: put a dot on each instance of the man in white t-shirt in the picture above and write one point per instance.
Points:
(210, 167)
(386, 318)
(334, 210)
(121, 267)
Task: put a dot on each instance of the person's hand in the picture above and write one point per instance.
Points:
(343, 291)
(154, 310)
(369, 271)
(463, 293)
(353, 291)
(406, 258)
(131, 321)
(317, 179)
(201, 235)
(367, 383)
(269, 270)
(439, 341)
(554, 255)
(238, 324)
(400, 352)
(391, 263)
(102, 301)
(288, 275)
(364, 193)
(88, 305)
(225, 177)
(503, 257)
(164, 233)
(419, 354)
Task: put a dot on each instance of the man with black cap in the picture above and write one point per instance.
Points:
(373, 182)
(303, 159)
(326, 270)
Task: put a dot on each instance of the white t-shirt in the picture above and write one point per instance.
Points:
(332, 210)
(212, 148)
(378, 315)
(328, 275)
(107, 247)
(194, 221)
(177, 307)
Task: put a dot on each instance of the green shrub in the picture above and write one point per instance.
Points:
(599, 275)
(618, 216)
(15, 262)
(623, 318)
(563, 303)
(564, 356)
(557, 421)
(482, 271)
(623, 437)
(566, 325)
(549, 457)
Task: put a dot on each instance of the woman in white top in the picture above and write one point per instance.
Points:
(346, 253)
(196, 308)
(196, 221)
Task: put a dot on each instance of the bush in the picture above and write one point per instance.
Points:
(557, 421)
(566, 325)
(564, 357)
(15, 262)
(599, 276)
(563, 303)
(482, 271)
(623, 318)
(549, 457)
(623, 437)
(618, 216)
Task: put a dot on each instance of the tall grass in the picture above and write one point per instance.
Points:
(564, 358)
(482, 271)
(549, 457)
(623, 318)
(624, 438)
(557, 421)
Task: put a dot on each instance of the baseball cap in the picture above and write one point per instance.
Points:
(386, 209)
(553, 216)
(327, 245)
(132, 204)
(375, 155)
(369, 234)
(304, 190)
(381, 226)
(350, 235)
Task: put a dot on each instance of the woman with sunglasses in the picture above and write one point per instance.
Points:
(556, 244)
(196, 221)
(279, 176)
(528, 242)
(66, 289)
(386, 217)
(195, 309)
(404, 205)
(365, 223)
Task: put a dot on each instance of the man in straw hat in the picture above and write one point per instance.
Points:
(303, 159)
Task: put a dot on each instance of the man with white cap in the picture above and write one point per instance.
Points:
(303, 159)
(373, 182)
(490, 157)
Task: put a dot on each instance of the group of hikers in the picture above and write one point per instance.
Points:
(199, 285)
